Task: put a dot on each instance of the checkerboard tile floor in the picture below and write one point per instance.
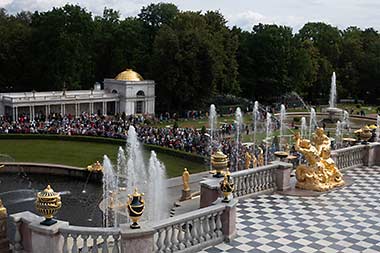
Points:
(344, 220)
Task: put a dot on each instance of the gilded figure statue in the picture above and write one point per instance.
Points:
(254, 161)
(185, 180)
(260, 158)
(248, 159)
(321, 173)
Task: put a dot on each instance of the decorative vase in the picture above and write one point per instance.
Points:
(47, 204)
(135, 208)
(219, 162)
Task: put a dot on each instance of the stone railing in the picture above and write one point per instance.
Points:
(188, 232)
(269, 178)
(346, 158)
(196, 230)
(88, 239)
(359, 155)
(255, 180)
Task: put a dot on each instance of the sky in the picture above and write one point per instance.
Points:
(242, 13)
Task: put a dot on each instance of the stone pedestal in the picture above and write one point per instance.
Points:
(283, 176)
(185, 195)
(137, 240)
(209, 192)
(229, 220)
(46, 239)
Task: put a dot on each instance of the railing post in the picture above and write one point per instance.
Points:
(283, 176)
(229, 220)
(370, 154)
(137, 240)
(47, 239)
(209, 192)
(4, 242)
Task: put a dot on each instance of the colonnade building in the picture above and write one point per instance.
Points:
(128, 92)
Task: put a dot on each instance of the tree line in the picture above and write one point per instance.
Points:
(192, 56)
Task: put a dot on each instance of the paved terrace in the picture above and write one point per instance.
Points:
(344, 220)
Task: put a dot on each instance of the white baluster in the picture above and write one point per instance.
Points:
(74, 248)
(187, 234)
(207, 228)
(212, 226)
(194, 232)
(95, 243)
(116, 244)
(174, 240)
(85, 246)
(18, 246)
(181, 237)
(64, 248)
(202, 237)
(219, 232)
(167, 239)
(105, 244)
(159, 242)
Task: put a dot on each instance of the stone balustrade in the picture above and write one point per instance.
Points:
(269, 178)
(196, 230)
(188, 232)
(349, 157)
(90, 239)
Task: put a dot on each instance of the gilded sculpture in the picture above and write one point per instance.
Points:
(321, 173)
(185, 180)
(260, 158)
(248, 159)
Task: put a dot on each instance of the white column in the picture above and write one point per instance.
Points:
(30, 112)
(16, 112)
(105, 108)
(76, 110)
(33, 112)
(48, 109)
(64, 109)
(91, 107)
(115, 107)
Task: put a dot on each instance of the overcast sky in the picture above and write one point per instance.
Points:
(243, 13)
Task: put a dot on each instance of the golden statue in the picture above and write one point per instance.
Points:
(3, 210)
(186, 194)
(321, 140)
(260, 158)
(320, 174)
(248, 159)
(185, 180)
(254, 161)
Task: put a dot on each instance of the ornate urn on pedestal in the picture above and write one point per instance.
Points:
(227, 187)
(135, 208)
(219, 162)
(47, 204)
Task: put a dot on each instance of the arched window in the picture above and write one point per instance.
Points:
(114, 91)
(140, 93)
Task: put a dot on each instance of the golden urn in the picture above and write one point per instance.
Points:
(47, 204)
(227, 187)
(219, 162)
(135, 208)
(365, 134)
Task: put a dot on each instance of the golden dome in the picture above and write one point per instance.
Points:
(129, 75)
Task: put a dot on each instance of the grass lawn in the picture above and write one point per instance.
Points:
(190, 123)
(81, 154)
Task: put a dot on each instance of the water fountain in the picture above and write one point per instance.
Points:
(303, 127)
(132, 173)
(332, 101)
(238, 126)
(268, 136)
(332, 109)
(378, 128)
(213, 122)
(312, 122)
(338, 134)
(282, 122)
(109, 185)
(255, 119)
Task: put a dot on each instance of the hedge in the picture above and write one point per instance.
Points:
(173, 152)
